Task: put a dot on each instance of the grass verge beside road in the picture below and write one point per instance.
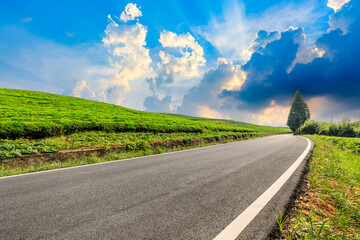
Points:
(330, 207)
(144, 149)
(130, 140)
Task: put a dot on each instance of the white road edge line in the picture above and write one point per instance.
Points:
(128, 159)
(233, 230)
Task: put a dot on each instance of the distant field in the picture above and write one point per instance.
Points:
(232, 123)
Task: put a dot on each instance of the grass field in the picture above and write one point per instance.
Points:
(35, 115)
(330, 209)
(33, 122)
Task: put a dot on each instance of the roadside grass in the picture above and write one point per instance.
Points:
(133, 141)
(7, 169)
(330, 209)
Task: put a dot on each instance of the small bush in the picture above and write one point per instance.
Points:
(186, 141)
(310, 127)
(346, 129)
(333, 130)
(323, 128)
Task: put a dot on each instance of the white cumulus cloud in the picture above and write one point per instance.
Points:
(130, 13)
(191, 54)
(180, 64)
(82, 90)
(128, 59)
(336, 4)
(126, 46)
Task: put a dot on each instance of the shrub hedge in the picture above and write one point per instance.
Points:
(343, 129)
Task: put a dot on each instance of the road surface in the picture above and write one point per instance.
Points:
(191, 194)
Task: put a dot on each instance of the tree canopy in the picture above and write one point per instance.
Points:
(299, 113)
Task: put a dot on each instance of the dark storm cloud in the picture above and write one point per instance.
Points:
(344, 18)
(338, 72)
(267, 71)
(335, 74)
(262, 39)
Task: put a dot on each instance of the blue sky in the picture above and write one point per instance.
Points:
(227, 59)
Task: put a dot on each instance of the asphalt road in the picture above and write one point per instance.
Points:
(185, 195)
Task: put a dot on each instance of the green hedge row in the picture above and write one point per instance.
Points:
(342, 129)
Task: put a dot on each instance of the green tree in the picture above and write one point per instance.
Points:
(299, 113)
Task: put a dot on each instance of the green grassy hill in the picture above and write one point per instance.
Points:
(37, 115)
(232, 123)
